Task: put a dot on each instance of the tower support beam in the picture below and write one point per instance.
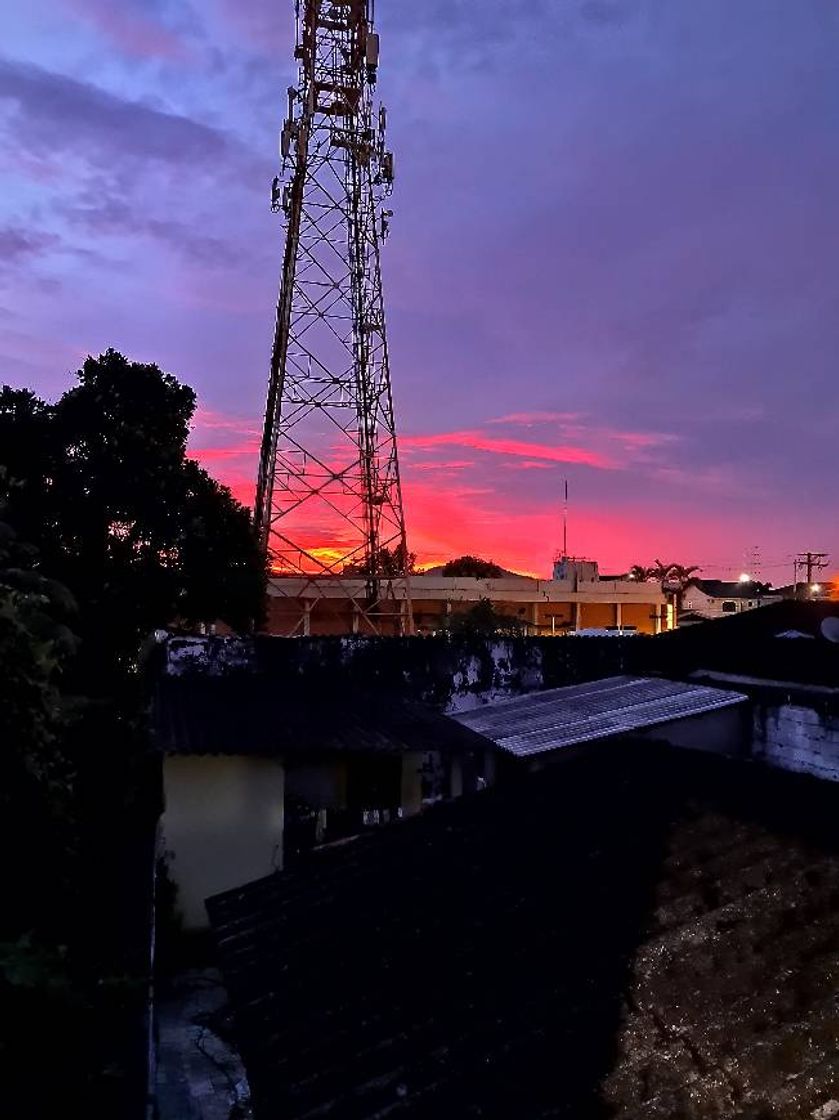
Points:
(329, 497)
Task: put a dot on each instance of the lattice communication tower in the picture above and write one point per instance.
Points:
(328, 500)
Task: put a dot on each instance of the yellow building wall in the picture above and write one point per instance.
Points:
(222, 826)
(639, 615)
(555, 618)
(335, 617)
(597, 614)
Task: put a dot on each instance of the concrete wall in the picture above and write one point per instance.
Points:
(222, 826)
(793, 726)
(797, 737)
(722, 732)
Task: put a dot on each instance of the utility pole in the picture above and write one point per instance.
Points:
(329, 497)
(810, 562)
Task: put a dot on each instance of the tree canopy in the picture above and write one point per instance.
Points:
(483, 620)
(97, 495)
(100, 483)
(389, 563)
(661, 572)
(472, 566)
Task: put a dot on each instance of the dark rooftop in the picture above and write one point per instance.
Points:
(253, 714)
(737, 589)
(637, 932)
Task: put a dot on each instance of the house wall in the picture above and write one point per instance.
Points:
(793, 726)
(322, 785)
(722, 732)
(708, 606)
(798, 737)
(222, 825)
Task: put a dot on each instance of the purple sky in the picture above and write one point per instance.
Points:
(615, 254)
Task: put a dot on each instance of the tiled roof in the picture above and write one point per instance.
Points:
(243, 714)
(639, 932)
(562, 717)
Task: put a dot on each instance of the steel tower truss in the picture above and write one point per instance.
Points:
(328, 501)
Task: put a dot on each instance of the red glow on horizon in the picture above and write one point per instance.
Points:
(455, 506)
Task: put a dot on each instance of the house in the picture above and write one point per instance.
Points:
(257, 768)
(636, 931)
(714, 598)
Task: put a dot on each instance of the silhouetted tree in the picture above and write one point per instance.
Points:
(101, 484)
(483, 621)
(35, 772)
(390, 563)
(472, 566)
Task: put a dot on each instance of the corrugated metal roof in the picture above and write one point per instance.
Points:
(561, 717)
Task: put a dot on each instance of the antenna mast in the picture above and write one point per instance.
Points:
(565, 522)
(328, 499)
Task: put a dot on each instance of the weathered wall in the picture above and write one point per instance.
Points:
(793, 726)
(222, 826)
(798, 737)
(449, 674)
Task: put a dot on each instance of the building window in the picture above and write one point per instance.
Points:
(729, 607)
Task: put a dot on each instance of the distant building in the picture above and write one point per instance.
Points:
(715, 598)
(575, 599)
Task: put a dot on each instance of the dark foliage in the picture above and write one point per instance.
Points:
(483, 620)
(100, 488)
(473, 566)
(101, 484)
(389, 563)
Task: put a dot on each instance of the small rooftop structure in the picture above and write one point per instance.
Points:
(563, 717)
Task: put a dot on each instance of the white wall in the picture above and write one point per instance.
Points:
(799, 738)
(222, 825)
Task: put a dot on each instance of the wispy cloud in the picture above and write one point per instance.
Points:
(57, 115)
(499, 446)
(18, 245)
(566, 438)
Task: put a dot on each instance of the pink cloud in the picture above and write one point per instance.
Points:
(444, 465)
(527, 419)
(207, 419)
(214, 454)
(514, 447)
(133, 33)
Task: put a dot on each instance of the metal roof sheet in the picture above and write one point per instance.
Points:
(561, 717)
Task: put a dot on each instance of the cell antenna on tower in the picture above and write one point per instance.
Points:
(328, 499)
